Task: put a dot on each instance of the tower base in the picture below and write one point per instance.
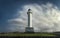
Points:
(29, 30)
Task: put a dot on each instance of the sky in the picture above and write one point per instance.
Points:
(13, 15)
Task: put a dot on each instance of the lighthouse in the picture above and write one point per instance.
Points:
(29, 28)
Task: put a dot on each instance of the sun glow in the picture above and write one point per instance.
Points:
(58, 18)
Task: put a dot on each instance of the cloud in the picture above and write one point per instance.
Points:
(46, 18)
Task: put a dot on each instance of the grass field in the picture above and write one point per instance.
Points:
(27, 34)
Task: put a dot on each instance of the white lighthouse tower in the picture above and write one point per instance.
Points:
(29, 28)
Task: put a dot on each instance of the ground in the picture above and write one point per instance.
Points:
(27, 34)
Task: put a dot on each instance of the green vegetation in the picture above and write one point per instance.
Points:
(27, 34)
